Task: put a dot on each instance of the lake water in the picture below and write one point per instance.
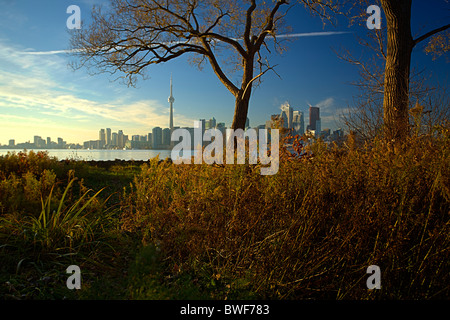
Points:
(99, 155)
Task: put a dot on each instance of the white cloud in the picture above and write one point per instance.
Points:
(326, 105)
(42, 86)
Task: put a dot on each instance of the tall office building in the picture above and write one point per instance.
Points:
(166, 137)
(120, 140)
(171, 101)
(203, 124)
(314, 117)
(114, 139)
(102, 138)
(318, 127)
(156, 137)
(210, 124)
(298, 122)
(150, 139)
(287, 115)
(108, 136)
(39, 142)
(12, 143)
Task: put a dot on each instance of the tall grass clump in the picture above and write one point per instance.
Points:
(311, 230)
(47, 224)
(63, 225)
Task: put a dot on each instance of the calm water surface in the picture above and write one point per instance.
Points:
(99, 155)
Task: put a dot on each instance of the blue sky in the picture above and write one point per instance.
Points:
(41, 95)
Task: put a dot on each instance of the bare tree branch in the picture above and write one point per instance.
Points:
(429, 34)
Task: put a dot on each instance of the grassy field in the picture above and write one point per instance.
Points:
(163, 231)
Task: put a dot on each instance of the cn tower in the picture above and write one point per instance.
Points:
(171, 101)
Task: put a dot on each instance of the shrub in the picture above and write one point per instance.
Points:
(311, 230)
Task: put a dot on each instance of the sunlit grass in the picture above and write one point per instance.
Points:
(309, 231)
(166, 231)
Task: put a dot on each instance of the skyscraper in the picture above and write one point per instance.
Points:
(120, 140)
(108, 136)
(166, 137)
(298, 122)
(114, 139)
(171, 101)
(203, 124)
(156, 137)
(39, 142)
(150, 139)
(287, 115)
(314, 116)
(211, 123)
(102, 138)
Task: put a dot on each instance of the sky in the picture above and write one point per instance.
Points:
(41, 95)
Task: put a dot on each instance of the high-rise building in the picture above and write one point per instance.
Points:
(61, 143)
(318, 127)
(114, 139)
(338, 134)
(12, 143)
(298, 122)
(210, 124)
(120, 140)
(39, 142)
(203, 123)
(102, 138)
(156, 137)
(150, 139)
(171, 101)
(108, 136)
(287, 115)
(314, 117)
(166, 137)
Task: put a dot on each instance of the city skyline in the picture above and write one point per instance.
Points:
(160, 138)
(40, 95)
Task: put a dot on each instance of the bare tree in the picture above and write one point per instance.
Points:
(400, 44)
(388, 88)
(135, 34)
(365, 115)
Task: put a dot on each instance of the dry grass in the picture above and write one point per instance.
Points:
(309, 231)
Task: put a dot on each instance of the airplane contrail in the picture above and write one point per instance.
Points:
(311, 34)
(292, 35)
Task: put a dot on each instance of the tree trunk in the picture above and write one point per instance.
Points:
(243, 96)
(397, 69)
(240, 112)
